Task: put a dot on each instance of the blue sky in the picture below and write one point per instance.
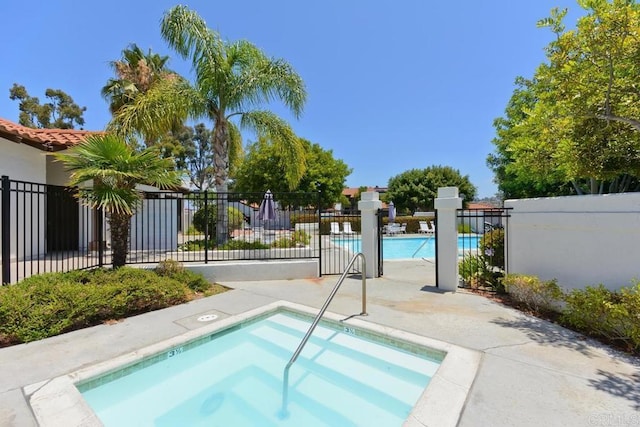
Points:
(391, 86)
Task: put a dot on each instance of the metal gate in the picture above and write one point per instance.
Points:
(340, 240)
(482, 236)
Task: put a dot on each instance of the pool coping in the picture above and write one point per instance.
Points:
(57, 401)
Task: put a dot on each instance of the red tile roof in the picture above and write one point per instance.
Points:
(44, 139)
(351, 192)
(482, 206)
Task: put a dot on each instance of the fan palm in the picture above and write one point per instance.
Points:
(232, 81)
(115, 169)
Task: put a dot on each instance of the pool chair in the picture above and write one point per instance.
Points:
(424, 228)
(433, 226)
(335, 228)
(393, 229)
(346, 228)
(403, 228)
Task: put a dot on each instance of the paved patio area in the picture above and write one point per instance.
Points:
(532, 372)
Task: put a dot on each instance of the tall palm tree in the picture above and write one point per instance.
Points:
(135, 73)
(115, 169)
(232, 81)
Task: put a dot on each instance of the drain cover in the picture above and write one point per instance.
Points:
(207, 317)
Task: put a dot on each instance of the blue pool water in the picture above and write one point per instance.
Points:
(409, 247)
(235, 379)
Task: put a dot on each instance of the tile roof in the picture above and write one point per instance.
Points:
(482, 206)
(44, 139)
(352, 191)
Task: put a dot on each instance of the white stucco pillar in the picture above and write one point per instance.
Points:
(369, 205)
(446, 204)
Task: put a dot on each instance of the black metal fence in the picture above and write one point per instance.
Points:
(341, 240)
(46, 228)
(482, 241)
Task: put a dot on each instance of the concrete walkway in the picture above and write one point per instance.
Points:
(532, 372)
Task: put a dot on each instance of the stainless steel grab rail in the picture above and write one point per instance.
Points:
(285, 379)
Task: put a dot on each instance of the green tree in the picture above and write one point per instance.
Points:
(514, 181)
(416, 189)
(59, 113)
(265, 167)
(583, 127)
(232, 81)
(192, 149)
(115, 169)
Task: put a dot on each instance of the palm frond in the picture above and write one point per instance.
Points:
(168, 101)
(270, 126)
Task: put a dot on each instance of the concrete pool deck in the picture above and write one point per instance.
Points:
(531, 373)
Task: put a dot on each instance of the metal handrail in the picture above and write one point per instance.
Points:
(285, 380)
(423, 243)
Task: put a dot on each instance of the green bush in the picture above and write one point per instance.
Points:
(243, 245)
(176, 271)
(476, 272)
(537, 295)
(235, 219)
(492, 247)
(464, 228)
(196, 245)
(50, 304)
(600, 312)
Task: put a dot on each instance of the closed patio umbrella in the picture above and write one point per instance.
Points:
(267, 211)
(392, 212)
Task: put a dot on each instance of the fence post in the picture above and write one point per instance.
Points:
(6, 230)
(447, 203)
(369, 205)
(206, 228)
(100, 236)
(320, 257)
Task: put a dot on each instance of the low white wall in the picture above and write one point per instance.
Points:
(578, 240)
(257, 270)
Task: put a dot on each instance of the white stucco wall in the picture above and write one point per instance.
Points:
(155, 225)
(56, 172)
(22, 162)
(578, 240)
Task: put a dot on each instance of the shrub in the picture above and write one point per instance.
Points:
(196, 245)
(537, 295)
(492, 247)
(600, 312)
(243, 245)
(235, 219)
(50, 304)
(464, 228)
(476, 272)
(176, 271)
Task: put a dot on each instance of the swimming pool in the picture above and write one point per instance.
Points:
(409, 247)
(235, 379)
(58, 401)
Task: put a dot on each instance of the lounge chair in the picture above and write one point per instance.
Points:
(335, 228)
(403, 228)
(433, 226)
(346, 228)
(424, 228)
(393, 229)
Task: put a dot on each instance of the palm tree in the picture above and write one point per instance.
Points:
(135, 74)
(232, 81)
(115, 169)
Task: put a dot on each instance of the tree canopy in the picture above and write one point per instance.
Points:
(59, 113)
(577, 120)
(416, 189)
(265, 167)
